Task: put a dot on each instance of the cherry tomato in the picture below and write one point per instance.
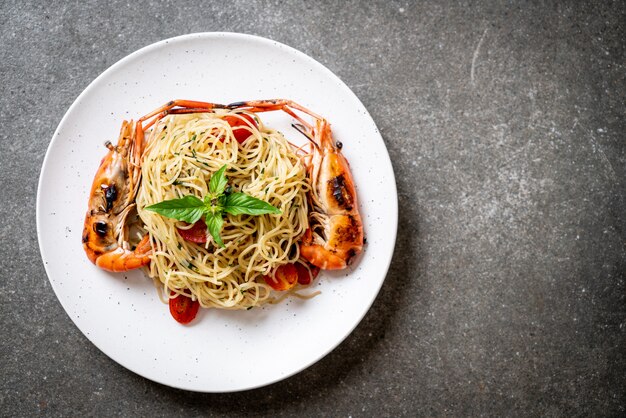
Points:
(285, 277)
(303, 274)
(197, 233)
(235, 122)
(183, 309)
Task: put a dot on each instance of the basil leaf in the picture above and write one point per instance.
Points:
(218, 181)
(241, 203)
(188, 209)
(214, 223)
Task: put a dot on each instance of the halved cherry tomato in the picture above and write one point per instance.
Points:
(304, 277)
(183, 309)
(197, 233)
(285, 277)
(235, 122)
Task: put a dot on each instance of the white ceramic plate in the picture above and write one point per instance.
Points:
(121, 314)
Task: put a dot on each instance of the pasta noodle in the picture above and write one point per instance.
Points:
(182, 153)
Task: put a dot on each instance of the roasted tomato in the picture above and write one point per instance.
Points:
(285, 277)
(197, 233)
(240, 127)
(183, 309)
(304, 277)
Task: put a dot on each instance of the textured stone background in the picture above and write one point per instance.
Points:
(506, 128)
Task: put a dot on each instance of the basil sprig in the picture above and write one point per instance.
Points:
(213, 207)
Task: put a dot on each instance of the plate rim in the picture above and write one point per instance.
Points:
(392, 197)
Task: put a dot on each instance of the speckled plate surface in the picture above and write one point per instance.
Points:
(121, 314)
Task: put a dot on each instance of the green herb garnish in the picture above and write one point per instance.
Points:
(213, 207)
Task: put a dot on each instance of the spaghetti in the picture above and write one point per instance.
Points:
(182, 154)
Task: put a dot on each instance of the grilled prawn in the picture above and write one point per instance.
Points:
(111, 203)
(336, 232)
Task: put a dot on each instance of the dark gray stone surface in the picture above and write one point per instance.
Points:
(506, 128)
